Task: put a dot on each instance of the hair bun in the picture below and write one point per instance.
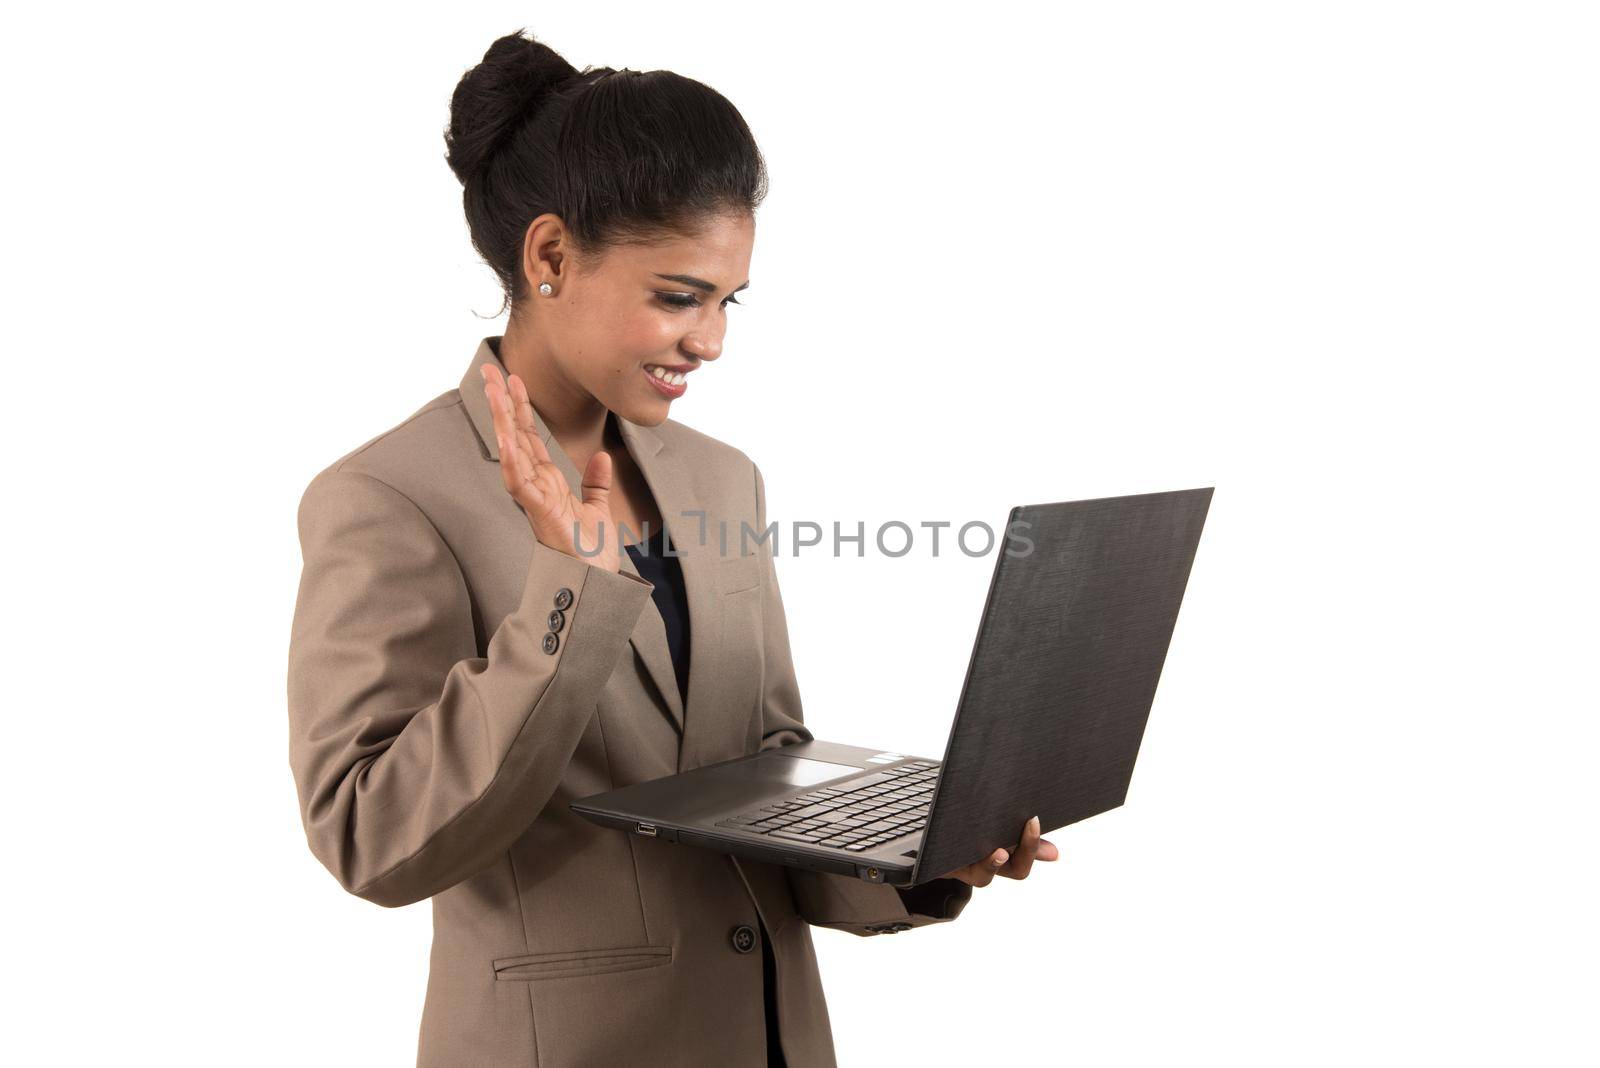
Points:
(517, 73)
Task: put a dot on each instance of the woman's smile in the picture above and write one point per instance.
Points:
(670, 383)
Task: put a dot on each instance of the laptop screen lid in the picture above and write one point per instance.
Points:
(1064, 669)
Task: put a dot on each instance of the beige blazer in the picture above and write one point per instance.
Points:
(436, 740)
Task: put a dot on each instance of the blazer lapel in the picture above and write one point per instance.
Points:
(672, 482)
(649, 637)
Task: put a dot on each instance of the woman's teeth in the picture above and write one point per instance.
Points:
(672, 378)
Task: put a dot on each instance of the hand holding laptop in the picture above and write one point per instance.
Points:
(1030, 847)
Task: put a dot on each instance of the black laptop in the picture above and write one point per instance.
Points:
(1063, 672)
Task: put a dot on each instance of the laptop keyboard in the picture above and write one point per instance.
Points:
(853, 815)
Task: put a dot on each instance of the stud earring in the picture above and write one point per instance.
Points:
(544, 287)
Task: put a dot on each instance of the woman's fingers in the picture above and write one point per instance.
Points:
(1012, 865)
(513, 418)
(519, 474)
(493, 386)
(597, 481)
(1027, 848)
(501, 411)
(525, 421)
(515, 473)
(992, 866)
(1031, 848)
(502, 406)
(982, 872)
(520, 452)
(559, 517)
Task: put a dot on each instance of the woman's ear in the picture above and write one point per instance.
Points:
(543, 251)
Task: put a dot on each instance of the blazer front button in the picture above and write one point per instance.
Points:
(550, 642)
(563, 598)
(744, 939)
(557, 618)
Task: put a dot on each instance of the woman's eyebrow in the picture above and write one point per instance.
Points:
(698, 283)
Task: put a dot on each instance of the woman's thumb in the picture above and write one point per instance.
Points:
(597, 480)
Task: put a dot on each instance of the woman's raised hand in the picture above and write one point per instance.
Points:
(535, 483)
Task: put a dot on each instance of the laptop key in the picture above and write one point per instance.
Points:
(869, 780)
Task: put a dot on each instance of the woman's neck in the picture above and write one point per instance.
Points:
(574, 417)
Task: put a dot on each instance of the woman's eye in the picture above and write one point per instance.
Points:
(686, 300)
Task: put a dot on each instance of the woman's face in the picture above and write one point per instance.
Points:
(612, 324)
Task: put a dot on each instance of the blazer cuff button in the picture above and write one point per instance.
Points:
(551, 641)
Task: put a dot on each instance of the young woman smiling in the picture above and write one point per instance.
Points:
(463, 663)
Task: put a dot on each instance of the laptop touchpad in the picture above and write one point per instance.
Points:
(796, 771)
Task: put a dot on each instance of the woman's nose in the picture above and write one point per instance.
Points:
(703, 348)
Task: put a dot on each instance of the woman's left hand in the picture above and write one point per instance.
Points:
(1011, 865)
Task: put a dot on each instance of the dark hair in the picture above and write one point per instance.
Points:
(622, 156)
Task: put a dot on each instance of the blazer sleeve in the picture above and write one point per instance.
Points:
(418, 762)
(842, 902)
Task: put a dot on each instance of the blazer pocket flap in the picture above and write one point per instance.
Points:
(735, 573)
(564, 963)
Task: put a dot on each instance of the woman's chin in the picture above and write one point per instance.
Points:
(649, 412)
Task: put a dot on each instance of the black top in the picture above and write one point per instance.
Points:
(653, 563)
(666, 573)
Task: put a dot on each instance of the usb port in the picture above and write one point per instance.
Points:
(647, 829)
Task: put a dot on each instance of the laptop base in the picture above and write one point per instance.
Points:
(686, 808)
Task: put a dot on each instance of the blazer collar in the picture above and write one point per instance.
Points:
(671, 483)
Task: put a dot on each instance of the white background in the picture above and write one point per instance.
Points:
(1337, 260)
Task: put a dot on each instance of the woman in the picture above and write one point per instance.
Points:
(464, 662)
